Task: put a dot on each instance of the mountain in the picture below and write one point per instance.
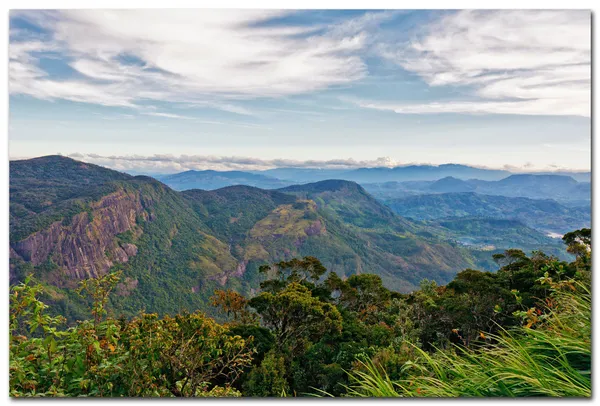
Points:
(70, 220)
(378, 175)
(210, 180)
(563, 189)
(423, 172)
(303, 175)
(388, 245)
(578, 176)
(547, 216)
(557, 187)
(336, 221)
(39, 197)
(450, 184)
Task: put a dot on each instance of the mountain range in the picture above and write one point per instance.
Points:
(404, 173)
(210, 180)
(393, 183)
(71, 220)
(563, 189)
(547, 216)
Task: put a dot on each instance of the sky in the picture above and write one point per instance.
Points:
(172, 90)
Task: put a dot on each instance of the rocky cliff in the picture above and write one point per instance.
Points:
(87, 245)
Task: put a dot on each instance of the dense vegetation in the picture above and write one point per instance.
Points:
(521, 331)
(39, 197)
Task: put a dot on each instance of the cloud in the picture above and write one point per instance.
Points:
(167, 163)
(172, 163)
(168, 115)
(529, 107)
(204, 57)
(513, 62)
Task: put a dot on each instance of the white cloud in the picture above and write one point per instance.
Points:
(204, 57)
(528, 107)
(168, 115)
(172, 163)
(167, 163)
(515, 61)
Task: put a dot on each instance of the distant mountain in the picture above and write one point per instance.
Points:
(210, 180)
(547, 216)
(378, 175)
(387, 244)
(563, 189)
(450, 184)
(419, 174)
(423, 172)
(556, 187)
(304, 175)
(578, 176)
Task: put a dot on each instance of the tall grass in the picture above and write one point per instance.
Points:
(551, 359)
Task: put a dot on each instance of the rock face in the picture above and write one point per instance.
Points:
(316, 228)
(86, 247)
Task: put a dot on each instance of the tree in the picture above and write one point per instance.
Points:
(307, 270)
(579, 243)
(295, 317)
(183, 355)
(268, 379)
(233, 305)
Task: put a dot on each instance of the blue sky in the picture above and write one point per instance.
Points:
(170, 90)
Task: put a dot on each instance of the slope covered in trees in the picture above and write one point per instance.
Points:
(525, 331)
(70, 221)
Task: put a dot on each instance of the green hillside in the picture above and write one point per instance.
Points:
(70, 221)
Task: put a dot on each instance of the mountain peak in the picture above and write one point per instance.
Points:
(451, 184)
(535, 178)
(330, 185)
(64, 170)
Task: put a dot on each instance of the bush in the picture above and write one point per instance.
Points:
(549, 356)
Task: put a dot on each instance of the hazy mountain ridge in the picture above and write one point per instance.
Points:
(405, 173)
(563, 189)
(399, 182)
(211, 180)
(546, 216)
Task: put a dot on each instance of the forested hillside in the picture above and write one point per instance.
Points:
(524, 330)
(71, 221)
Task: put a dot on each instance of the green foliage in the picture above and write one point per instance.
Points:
(184, 355)
(553, 359)
(542, 340)
(295, 317)
(268, 379)
(54, 188)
